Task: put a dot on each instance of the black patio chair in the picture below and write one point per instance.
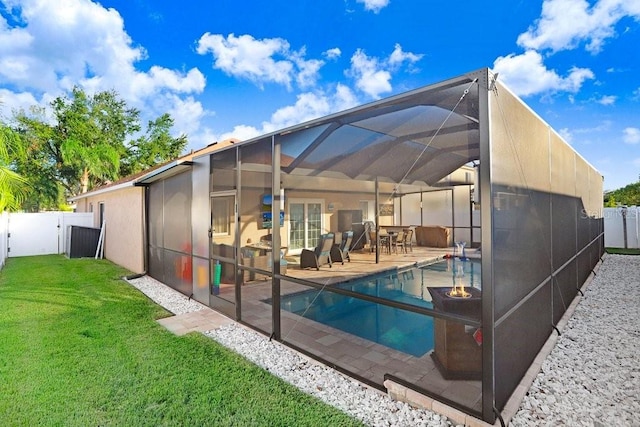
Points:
(321, 255)
(340, 251)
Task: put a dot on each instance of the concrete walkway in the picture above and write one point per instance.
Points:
(196, 321)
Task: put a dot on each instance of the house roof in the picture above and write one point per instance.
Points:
(148, 175)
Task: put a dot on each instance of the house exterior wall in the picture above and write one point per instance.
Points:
(124, 229)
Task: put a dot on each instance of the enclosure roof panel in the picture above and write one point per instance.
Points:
(416, 138)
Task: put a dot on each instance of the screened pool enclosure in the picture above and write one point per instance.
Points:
(465, 158)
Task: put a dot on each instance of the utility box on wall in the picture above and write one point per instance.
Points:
(82, 241)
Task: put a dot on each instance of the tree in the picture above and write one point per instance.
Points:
(12, 186)
(629, 196)
(90, 137)
(87, 142)
(83, 146)
(39, 165)
(157, 146)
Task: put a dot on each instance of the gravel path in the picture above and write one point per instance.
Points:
(591, 378)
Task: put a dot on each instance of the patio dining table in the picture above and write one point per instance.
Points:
(388, 240)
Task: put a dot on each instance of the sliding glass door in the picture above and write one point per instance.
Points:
(305, 223)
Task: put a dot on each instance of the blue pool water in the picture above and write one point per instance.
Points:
(401, 330)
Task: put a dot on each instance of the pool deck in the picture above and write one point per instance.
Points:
(363, 264)
(368, 360)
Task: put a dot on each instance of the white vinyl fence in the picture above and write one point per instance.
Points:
(41, 233)
(621, 227)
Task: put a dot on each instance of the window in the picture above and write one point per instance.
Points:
(364, 207)
(222, 215)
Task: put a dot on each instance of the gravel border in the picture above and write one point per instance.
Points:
(591, 377)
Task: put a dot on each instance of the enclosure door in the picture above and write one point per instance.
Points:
(222, 252)
(305, 224)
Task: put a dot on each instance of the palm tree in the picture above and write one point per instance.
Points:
(12, 185)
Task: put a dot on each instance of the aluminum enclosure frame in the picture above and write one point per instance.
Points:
(443, 126)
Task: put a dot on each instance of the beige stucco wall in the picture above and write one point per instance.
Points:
(332, 204)
(123, 211)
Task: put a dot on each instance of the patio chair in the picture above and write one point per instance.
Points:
(321, 255)
(408, 239)
(372, 240)
(398, 242)
(340, 251)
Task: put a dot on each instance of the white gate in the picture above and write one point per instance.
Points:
(622, 227)
(42, 233)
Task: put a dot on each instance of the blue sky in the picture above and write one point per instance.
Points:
(239, 69)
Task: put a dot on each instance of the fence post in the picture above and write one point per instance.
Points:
(624, 226)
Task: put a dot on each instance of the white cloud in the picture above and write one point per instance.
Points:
(604, 126)
(565, 24)
(248, 58)
(309, 70)
(65, 38)
(526, 75)
(260, 61)
(631, 135)
(398, 56)
(374, 6)
(308, 106)
(77, 42)
(607, 100)
(566, 134)
(16, 101)
(240, 132)
(373, 75)
(333, 53)
(186, 112)
(344, 98)
(369, 75)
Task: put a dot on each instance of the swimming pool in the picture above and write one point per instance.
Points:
(408, 332)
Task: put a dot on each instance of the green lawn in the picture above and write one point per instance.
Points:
(80, 347)
(623, 251)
